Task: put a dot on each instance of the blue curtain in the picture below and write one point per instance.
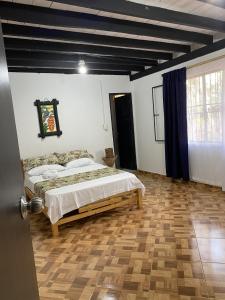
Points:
(175, 115)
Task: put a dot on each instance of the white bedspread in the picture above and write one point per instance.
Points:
(68, 198)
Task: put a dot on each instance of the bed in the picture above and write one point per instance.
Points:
(77, 191)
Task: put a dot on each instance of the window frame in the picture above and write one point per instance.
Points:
(204, 106)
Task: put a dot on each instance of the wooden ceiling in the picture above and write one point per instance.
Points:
(133, 38)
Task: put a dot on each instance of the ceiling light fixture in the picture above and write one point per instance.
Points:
(82, 68)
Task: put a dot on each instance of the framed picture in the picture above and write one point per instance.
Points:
(158, 113)
(48, 118)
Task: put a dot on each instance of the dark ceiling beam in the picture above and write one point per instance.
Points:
(64, 71)
(69, 65)
(218, 3)
(53, 17)
(20, 54)
(181, 59)
(85, 38)
(153, 12)
(35, 45)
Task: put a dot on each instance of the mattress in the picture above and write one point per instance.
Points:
(60, 201)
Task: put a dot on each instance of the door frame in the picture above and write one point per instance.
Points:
(114, 125)
(17, 272)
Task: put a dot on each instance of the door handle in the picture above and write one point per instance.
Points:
(34, 206)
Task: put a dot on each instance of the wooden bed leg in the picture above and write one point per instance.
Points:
(55, 230)
(139, 198)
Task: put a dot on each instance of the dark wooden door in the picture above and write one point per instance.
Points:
(123, 131)
(17, 270)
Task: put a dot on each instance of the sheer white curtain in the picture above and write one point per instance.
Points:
(206, 122)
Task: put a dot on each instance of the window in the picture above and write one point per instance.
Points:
(204, 108)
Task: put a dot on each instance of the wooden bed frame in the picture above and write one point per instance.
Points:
(118, 200)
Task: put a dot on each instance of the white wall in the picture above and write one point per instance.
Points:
(81, 111)
(150, 153)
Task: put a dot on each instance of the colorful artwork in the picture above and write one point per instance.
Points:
(48, 118)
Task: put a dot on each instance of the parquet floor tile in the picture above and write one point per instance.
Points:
(174, 248)
(212, 250)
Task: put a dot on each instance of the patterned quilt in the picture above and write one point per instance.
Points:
(42, 187)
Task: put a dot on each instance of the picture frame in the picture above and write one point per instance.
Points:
(158, 113)
(48, 118)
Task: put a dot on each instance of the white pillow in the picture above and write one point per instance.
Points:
(41, 169)
(50, 174)
(81, 162)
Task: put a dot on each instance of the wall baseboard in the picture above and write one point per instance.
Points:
(141, 172)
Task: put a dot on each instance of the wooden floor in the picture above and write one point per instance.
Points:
(172, 249)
